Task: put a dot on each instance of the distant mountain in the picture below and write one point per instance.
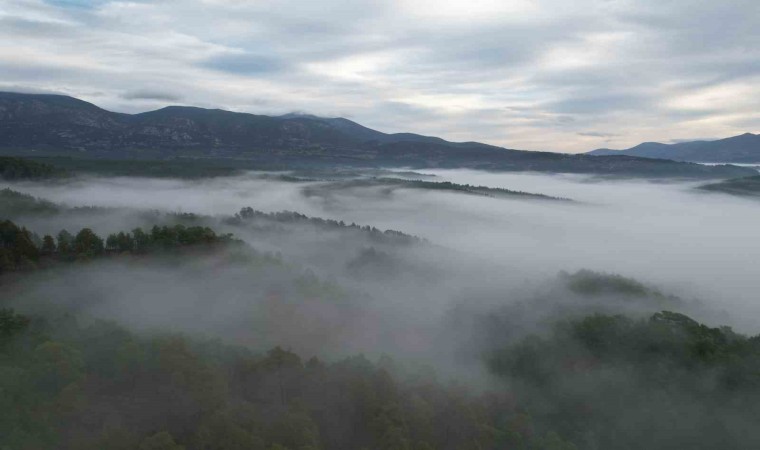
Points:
(737, 149)
(40, 124)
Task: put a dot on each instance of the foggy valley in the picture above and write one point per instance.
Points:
(379, 225)
(436, 277)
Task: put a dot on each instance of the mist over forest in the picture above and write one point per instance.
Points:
(379, 309)
(379, 225)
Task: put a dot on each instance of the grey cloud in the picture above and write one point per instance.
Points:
(220, 51)
(596, 134)
(76, 3)
(148, 94)
(247, 64)
(678, 141)
(599, 103)
(36, 29)
(28, 89)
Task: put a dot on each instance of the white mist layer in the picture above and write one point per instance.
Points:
(691, 243)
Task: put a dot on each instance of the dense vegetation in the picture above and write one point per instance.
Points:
(13, 203)
(393, 183)
(96, 386)
(609, 381)
(168, 168)
(563, 372)
(747, 186)
(23, 169)
(21, 249)
(251, 216)
(469, 189)
(595, 382)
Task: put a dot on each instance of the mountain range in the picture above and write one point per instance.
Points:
(738, 149)
(44, 124)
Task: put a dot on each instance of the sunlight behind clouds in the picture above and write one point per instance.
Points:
(468, 10)
(529, 74)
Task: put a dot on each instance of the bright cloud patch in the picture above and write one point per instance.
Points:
(531, 74)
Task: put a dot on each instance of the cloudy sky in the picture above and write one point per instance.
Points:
(529, 74)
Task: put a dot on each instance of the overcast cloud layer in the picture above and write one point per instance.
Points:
(530, 74)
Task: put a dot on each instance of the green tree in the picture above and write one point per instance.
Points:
(64, 242)
(160, 441)
(48, 245)
(57, 365)
(114, 439)
(141, 240)
(87, 243)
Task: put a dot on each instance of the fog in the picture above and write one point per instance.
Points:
(419, 300)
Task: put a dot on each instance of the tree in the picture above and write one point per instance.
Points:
(295, 429)
(125, 242)
(57, 365)
(19, 250)
(11, 324)
(160, 441)
(112, 242)
(114, 439)
(87, 243)
(141, 240)
(48, 245)
(285, 364)
(64, 242)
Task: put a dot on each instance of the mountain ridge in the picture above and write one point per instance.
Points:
(47, 124)
(743, 148)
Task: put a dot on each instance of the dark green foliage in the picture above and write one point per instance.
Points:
(466, 188)
(391, 184)
(164, 238)
(87, 244)
(48, 245)
(17, 248)
(249, 215)
(747, 186)
(11, 324)
(24, 169)
(160, 441)
(20, 249)
(96, 386)
(170, 168)
(122, 242)
(603, 379)
(586, 282)
(14, 204)
(65, 242)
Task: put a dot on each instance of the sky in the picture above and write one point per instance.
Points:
(556, 75)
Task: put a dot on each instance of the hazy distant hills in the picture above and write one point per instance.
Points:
(39, 124)
(746, 187)
(737, 149)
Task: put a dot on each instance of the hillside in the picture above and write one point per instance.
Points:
(747, 187)
(738, 149)
(33, 124)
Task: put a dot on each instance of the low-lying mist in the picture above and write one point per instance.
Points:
(491, 291)
(667, 233)
(475, 254)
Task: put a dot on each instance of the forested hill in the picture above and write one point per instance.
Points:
(747, 187)
(60, 125)
(22, 169)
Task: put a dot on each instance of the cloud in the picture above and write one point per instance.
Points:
(147, 94)
(596, 134)
(246, 64)
(679, 141)
(520, 74)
